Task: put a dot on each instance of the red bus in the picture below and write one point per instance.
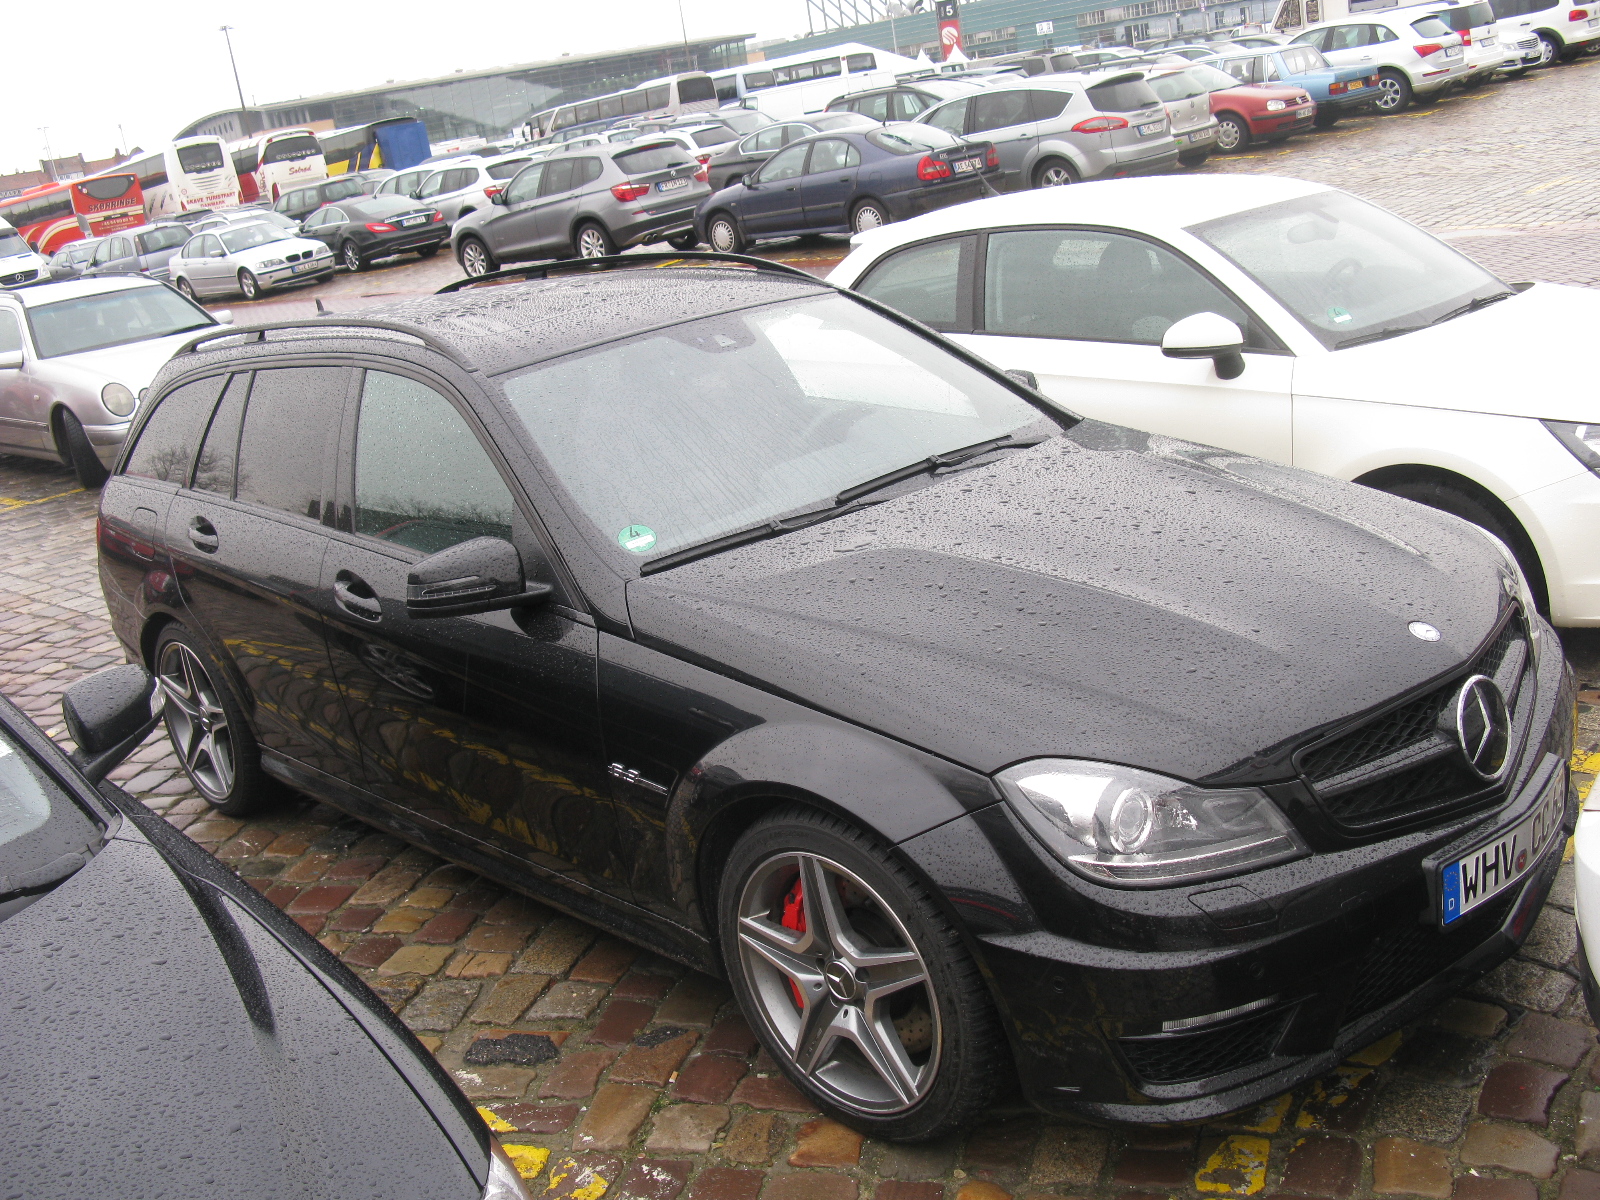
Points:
(53, 214)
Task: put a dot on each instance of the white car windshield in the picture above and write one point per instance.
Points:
(112, 319)
(247, 237)
(1349, 271)
(10, 244)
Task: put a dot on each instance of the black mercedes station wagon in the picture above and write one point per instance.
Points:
(758, 623)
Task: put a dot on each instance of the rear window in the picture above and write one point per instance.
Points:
(505, 170)
(1468, 16)
(162, 239)
(197, 160)
(342, 189)
(292, 149)
(1181, 85)
(713, 137)
(912, 139)
(695, 89)
(1128, 95)
(1431, 27)
(109, 187)
(651, 158)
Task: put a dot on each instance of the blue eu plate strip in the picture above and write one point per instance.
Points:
(1450, 881)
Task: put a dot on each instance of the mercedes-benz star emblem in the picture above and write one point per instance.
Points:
(1421, 629)
(1481, 725)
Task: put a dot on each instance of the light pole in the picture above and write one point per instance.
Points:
(683, 28)
(49, 154)
(244, 119)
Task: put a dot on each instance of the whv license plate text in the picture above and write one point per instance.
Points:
(1492, 868)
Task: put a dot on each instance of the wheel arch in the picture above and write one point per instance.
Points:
(151, 634)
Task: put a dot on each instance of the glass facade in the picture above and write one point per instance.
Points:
(488, 104)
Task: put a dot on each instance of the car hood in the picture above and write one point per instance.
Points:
(11, 262)
(133, 365)
(138, 1059)
(1111, 595)
(1261, 92)
(1446, 366)
(293, 245)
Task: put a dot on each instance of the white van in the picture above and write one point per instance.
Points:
(1563, 28)
(19, 266)
(790, 87)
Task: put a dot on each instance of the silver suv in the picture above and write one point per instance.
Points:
(586, 203)
(463, 187)
(142, 251)
(1059, 129)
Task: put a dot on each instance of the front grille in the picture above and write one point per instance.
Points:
(1402, 959)
(1184, 1057)
(1402, 763)
(19, 277)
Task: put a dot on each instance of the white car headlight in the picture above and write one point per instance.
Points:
(119, 401)
(267, 264)
(1132, 828)
(1582, 440)
(1277, 105)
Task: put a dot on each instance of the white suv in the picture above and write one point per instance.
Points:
(1415, 56)
(466, 185)
(1564, 28)
(19, 265)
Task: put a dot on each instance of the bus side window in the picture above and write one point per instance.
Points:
(860, 62)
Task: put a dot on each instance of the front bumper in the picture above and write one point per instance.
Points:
(1271, 978)
(321, 268)
(408, 241)
(107, 439)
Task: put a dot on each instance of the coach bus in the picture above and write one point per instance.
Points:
(790, 87)
(394, 142)
(191, 173)
(53, 214)
(670, 96)
(270, 163)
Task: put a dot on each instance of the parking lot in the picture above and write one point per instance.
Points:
(634, 1078)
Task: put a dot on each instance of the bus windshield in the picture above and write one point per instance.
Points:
(249, 236)
(201, 158)
(107, 187)
(112, 319)
(291, 149)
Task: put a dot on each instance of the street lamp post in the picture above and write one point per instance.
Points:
(244, 118)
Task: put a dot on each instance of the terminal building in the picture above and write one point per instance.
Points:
(485, 103)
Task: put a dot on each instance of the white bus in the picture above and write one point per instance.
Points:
(670, 96)
(191, 173)
(271, 163)
(786, 88)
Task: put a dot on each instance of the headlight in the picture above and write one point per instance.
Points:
(268, 263)
(1582, 440)
(1277, 105)
(118, 400)
(1132, 828)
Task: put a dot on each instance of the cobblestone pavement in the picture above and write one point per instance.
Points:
(634, 1079)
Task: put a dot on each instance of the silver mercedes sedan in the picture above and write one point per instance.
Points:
(74, 357)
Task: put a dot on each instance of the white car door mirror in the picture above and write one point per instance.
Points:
(10, 360)
(1206, 335)
(223, 316)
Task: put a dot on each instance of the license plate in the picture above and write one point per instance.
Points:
(414, 221)
(671, 185)
(1147, 130)
(1357, 85)
(298, 267)
(964, 165)
(1486, 41)
(1492, 868)
(1205, 135)
(1452, 52)
(1594, 21)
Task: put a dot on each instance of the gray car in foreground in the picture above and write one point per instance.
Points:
(75, 357)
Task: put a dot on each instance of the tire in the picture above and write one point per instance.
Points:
(428, 251)
(683, 241)
(1461, 503)
(249, 285)
(1054, 172)
(207, 728)
(592, 241)
(1325, 120)
(937, 1036)
(1518, 74)
(475, 258)
(1233, 133)
(1549, 50)
(350, 256)
(79, 453)
(187, 289)
(1193, 158)
(1394, 93)
(869, 214)
(722, 231)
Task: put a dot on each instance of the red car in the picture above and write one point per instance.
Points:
(1247, 111)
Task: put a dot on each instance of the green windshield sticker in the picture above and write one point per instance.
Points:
(637, 539)
(1338, 316)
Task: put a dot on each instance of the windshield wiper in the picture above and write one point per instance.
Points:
(1378, 335)
(1472, 306)
(849, 500)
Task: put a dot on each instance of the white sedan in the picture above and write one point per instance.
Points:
(1289, 321)
(246, 259)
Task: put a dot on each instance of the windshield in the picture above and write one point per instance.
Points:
(1185, 85)
(1345, 267)
(112, 319)
(749, 416)
(244, 237)
(196, 160)
(11, 243)
(39, 825)
(912, 139)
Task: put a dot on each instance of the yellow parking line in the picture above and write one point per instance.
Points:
(7, 504)
(1548, 184)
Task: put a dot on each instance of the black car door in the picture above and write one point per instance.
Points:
(481, 728)
(247, 541)
(324, 225)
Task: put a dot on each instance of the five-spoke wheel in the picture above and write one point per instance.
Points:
(196, 721)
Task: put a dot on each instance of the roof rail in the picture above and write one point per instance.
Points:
(542, 270)
(192, 346)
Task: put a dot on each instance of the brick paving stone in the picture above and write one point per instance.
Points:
(1001, 1145)
(726, 1183)
(429, 897)
(771, 1091)
(308, 869)
(1444, 1056)
(1323, 1166)
(556, 948)
(1586, 1138)
(1510, 1148)
(1338, 1102)
(281, 893)
(415, 960)
(605, 963)
(354, 920)
(812, 1185)
(613, 1118)
(490, 1083)
(320, 900)
(581, 1177)
(508, 999)
(440, 1005)
(572, 1001)
(477, 966)
(731, 1035)
(1552, 939)
(694, 1001)
(575, 1076)
(826, 1143)
(1153, 1168)
(1401, 1167)
(1072, 1156)
(652, 1061)
(214, 829)
(387, 886)
(1419, 1108)
(653, 1179)
(1520, 1091)
(1579, 1185)
(395, 992)
(446, 927)
(621, 1021)
(708, 1078)
(537, 1118)
(356, 868)
(1235, 1166)
(1544, 1038)
(899, 1189)
(401, 920)
(686, 1128)
(497, 939)
(371, 951)
(646, 987)
(750, 1140)
(982, 1189)
(517, 910)
(1527, 985)
(1483, 1187)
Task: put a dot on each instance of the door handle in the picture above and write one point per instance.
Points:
(203, 534)
(351, 593)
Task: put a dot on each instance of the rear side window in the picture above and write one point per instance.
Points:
(588, 171)
(558, 176)
(651, 158)
(1430, 27)
(422, 478)
(213, 469)
(998, 110)
(1297, 60)
(923, 282)
(876, 107)
(1128, 95)
(167, 444)
(505, 170)
(1048, 105)
(292, 417)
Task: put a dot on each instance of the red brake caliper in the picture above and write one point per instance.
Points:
(794, 917)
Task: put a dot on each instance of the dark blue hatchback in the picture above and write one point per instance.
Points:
(846, 182)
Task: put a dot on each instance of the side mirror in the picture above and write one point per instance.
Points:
(415, 193)
(10, 360)
(223, 316)
(480, 575)
(499, 198)
(108, 714)
(1206, 335)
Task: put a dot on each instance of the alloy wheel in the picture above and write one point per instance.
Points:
(1055, 175)
(839, 983)
(1547, 51)
(1390, 95)
(249, 285)
(186, 288)
(474, 261)
(196, 721)
(352, 257)
(592, 244)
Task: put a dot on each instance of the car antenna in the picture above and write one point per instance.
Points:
(322, 310)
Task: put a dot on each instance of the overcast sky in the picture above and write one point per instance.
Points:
(153, 69)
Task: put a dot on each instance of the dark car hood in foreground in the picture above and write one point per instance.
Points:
(135, 1061)
(1110, 595)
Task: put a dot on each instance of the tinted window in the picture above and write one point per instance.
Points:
(860, 62)
(695, 89)
(1430, 27)
(876, 107)
(292, 418)
(422, 478)
(505, 170)
(952, 118)
(831, 154)
(168, 441)
(652, 158)
(766, 141)
(1129, 95)
(10, 332)
(656, 97)
(907, 106)
(1047, 105)
(912, 139)
(162, 239)
(922, 282)
(588, 171)
(292, 149)
(786, 164)
(213, 469)
(998, 110)
(343, 189)
(558, 175)
(525, 186)
(1093, 286)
